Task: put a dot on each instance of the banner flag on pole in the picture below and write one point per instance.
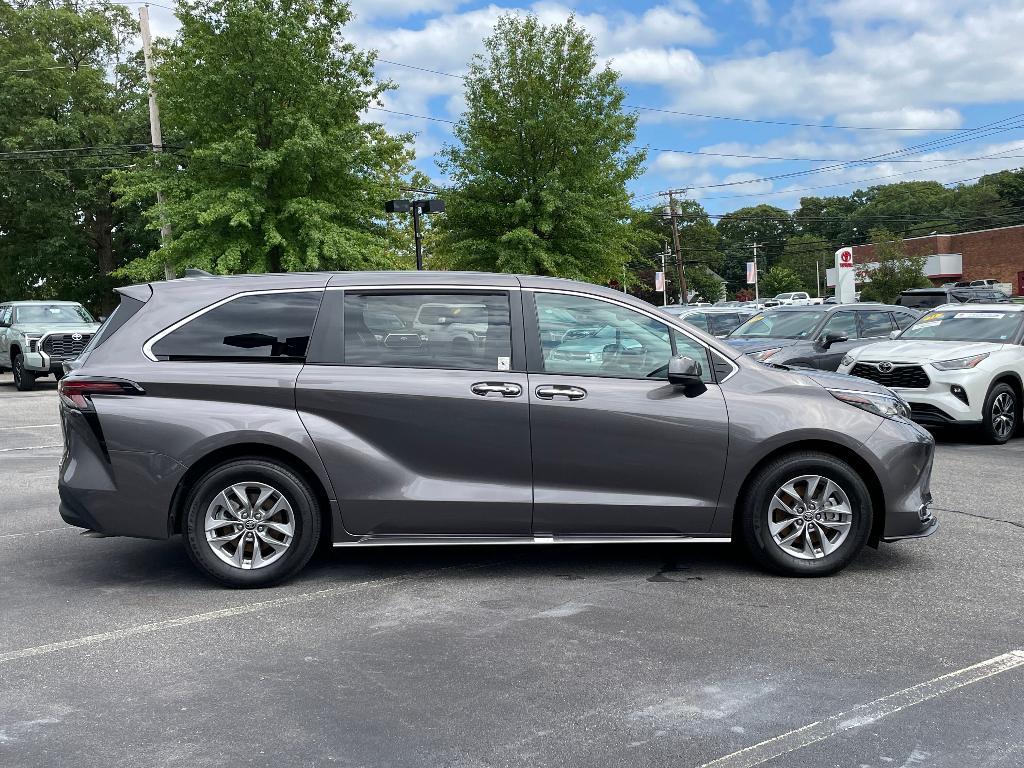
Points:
(659, 281)
(751, 272)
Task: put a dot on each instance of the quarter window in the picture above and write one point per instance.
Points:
(461, 331)
(588, 337)
(874, 324)
(269, 327)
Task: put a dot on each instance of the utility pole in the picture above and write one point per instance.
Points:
(154, 129)
(675, 242)
(757, 292)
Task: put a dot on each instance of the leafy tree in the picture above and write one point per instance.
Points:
(67, 82)
(778, 280)
(279, 172)
(895, 272)
(763, 224)
(539, 174)
(704, 284)
(907, 209)
(807, 256)
(830, 218)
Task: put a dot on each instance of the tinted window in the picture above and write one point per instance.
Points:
(924, 300)
(841, 324)
(270, 326)
(122, 313)
(903, 320)
(606, 339)
(5, 314)
(724, 323)
(417, 330)
(874, 324)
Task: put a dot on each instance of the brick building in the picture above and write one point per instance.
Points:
(987, 253)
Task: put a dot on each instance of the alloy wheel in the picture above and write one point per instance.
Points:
(249, 525)
(1004, 415)
(809, 517)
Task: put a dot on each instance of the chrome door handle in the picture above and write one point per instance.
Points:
(552, 391)
(502, 388)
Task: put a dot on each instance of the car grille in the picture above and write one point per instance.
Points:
(905, 376)
(64, 345)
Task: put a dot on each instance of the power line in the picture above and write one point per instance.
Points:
(32, 154)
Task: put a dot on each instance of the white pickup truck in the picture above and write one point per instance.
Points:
(796, 298)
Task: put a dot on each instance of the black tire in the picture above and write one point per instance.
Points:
(283, 479)
(754, 510)
(24, 381)
(994, 427)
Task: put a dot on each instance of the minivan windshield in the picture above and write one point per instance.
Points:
(780, 325)
(965, 325)
(52, 313)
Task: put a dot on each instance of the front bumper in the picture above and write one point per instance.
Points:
(906, 452)
(40, 362)
(936, 405)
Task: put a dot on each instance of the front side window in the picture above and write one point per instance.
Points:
(605, 339)
(841, 324)
(55, 314)
(269, 327)
(462, 331)
(874, 324)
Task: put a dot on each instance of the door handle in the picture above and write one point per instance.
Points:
(502, 388)
(550, 392)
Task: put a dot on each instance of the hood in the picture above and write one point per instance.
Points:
(747, 345)
(41, 329)
(923, 351)
(831, 380)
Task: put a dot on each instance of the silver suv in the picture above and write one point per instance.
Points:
(258, 415)
(37, 337)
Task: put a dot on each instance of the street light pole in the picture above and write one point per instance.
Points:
(416, 208)
(416, 234)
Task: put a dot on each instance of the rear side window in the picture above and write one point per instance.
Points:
(268, 327)
(461, 331)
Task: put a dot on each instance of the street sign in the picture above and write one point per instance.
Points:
(846, 276)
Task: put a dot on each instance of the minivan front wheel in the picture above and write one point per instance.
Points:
(251, 522)
(806, 514)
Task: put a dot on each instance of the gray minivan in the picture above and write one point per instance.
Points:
(259, 415)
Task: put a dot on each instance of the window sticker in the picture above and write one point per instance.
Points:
(504, 363)
(979, 315)
(932, 316)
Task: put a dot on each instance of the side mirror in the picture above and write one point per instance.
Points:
(831, 338)
(894, 334)
(684, 372)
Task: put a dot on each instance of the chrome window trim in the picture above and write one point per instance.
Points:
(660, 317)
(425, 287)
(147, 347)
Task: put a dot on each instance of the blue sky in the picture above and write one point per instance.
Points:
(926, 65)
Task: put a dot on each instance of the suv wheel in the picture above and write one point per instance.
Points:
(805, 514)
(1000, 414)
(24, 380)
(251, 523)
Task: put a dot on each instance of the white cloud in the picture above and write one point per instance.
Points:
(658, 65)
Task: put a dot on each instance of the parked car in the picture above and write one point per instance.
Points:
(718, 321)
(798, 298)
(990, 283)
(929, 298)
(816, 336)
(956, 365)
(36, 337)
(256, 415)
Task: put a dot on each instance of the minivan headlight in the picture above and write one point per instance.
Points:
(765, 354)
(886, 406)
(960, 363)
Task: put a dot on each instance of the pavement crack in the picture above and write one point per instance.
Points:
(982, 517)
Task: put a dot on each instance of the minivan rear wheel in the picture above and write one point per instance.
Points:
(805, 514)
(251, 522)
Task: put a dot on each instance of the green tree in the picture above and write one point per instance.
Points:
(895, 270)
(763, 224)
(539, 174)
(704, 283)
(807, 256)
(778, 280)
(68, 82)
(279, 172)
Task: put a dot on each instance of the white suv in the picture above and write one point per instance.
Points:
(798, 298)
(957, 364)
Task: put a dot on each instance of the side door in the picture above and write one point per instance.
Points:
(421, 434)
(844, 325)
(616, 448)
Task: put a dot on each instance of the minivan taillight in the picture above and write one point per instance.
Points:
(76, 392)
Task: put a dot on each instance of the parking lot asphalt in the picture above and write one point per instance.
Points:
(116, 652)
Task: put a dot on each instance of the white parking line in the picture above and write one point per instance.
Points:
(224, 613)
(34, 533)
(29, 426)
(31, 448)
(865, 714)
